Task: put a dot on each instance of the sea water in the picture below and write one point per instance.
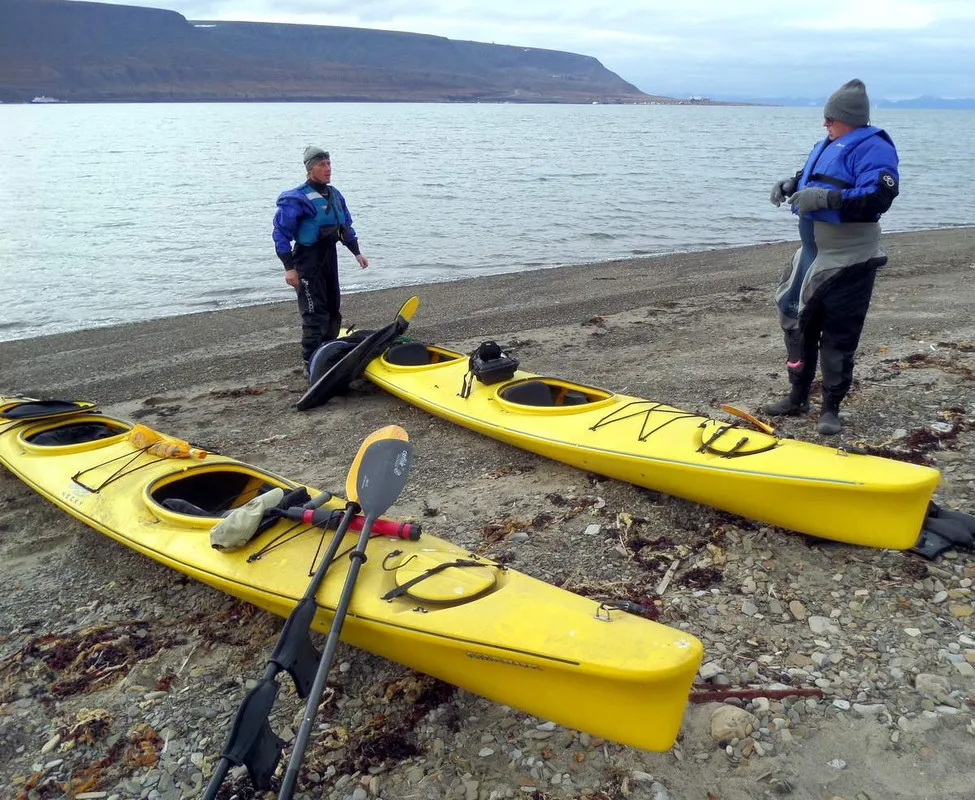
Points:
(122, 212)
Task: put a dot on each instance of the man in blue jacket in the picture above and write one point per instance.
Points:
(850, 179)
(315, 218)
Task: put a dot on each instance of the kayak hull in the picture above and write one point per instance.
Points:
(817, 490)
(508, 637)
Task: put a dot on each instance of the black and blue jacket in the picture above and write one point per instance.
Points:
(305, 213)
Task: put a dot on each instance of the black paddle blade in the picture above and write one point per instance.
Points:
(337, 377)
(251, 741)
(295, 652)
(382, 475)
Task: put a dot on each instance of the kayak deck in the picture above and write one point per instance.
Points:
(426, 604)
(818, 490)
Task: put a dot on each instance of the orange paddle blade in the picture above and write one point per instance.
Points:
(352, 479)
(737, 412)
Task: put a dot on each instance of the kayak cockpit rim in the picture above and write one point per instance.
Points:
(541, 395)
(195, 497)
(73, 434)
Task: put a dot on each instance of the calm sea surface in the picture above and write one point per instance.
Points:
(115, 213)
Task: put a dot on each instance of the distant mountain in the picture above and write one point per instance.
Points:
(926, 101)
(95, 52)
(930, 102)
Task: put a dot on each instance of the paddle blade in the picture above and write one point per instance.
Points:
(392, 432)
(741, 414)
(408, 309)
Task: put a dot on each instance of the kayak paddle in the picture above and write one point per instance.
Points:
(251, 741)
(377, 483)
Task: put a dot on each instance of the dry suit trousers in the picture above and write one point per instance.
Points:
(829, 331)
(319, 296)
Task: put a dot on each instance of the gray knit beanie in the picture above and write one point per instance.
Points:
(312, 156)
(849, 104)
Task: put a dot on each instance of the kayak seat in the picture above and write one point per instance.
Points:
(408, 354)
(574, 398)
(529, 393)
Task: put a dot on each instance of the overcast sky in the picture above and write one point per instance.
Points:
(900, 48)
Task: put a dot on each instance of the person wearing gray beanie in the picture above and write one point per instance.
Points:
(310, 221)
(849, 181)
(849, 104)
(312, 156)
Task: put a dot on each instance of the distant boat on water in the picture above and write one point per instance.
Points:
(43, 98)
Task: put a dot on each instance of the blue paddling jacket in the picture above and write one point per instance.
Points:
(859, 170)
(307, 214)
(862, 167)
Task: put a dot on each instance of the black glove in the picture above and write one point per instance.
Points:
(809, 200)
(782, 190)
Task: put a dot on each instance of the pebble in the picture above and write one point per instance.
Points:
(819, 625)
(710, 669)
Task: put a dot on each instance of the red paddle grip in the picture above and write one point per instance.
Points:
(323, 518)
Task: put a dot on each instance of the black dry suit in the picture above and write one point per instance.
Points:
(825, 291)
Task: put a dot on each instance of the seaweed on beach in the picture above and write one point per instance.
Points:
(84, 660)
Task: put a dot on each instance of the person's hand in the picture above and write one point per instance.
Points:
(809, 200)
(291, 278)
(363, 261)
(782, 190)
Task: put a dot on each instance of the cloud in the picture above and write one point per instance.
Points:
(901, 48)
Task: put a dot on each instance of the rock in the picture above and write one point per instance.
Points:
(933, 686)
(709, 670)
(729, 722)
(798, 610)
(870, 709)
(819, 625)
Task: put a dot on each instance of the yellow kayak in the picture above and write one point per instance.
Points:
(822, 491)
(577, 661)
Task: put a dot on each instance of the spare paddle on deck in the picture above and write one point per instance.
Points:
(251, 741)
(741, 414)
(376, 485)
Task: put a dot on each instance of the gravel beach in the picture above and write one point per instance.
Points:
(863, 660)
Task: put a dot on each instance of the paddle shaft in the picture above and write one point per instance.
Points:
(357, 557)
(333, 546)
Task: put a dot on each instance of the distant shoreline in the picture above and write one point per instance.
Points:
(414, 288)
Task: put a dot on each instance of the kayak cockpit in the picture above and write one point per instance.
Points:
(27, 408)
(73, 434)
(194, 497)
(418, 355)
(551, 395)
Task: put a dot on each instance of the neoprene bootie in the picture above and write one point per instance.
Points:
(791, 406)
(829, 418)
